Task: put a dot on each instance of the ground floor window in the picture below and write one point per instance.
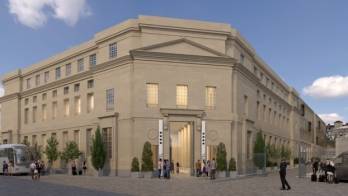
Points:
(107, 138)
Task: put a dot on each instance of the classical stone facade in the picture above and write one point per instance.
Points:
(182, 85)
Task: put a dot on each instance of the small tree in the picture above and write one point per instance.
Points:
(35, 151)
(232, 165)
(51, 150)
(71, 152)
(259, 151)
(147, 163)
(98, 151)
(135, 165)
(221, 157)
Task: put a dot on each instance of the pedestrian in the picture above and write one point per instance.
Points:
(84, 167)
(213, 169)
(204, 168)
(177, 167)
(4, 168)
(38, 167)
(73, 168)
(208, 168)
(32, 169)
(168, 169)
(172, 167)
(159, 167)
(282, 173)
(315, 167)
(198, 168)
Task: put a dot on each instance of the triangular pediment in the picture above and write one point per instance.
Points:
(182, 46)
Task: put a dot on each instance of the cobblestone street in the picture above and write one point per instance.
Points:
(76, 185)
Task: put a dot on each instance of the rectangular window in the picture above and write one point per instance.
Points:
(80, 65)
(66, 107)
(152, 94)
(77, 105)
(34, 114)
(65, 137)
(34, 99)
(44, 112)
(258, 110)
(54, 93)
(76, 87)
(110, 99)
(89, 141)
(107, 137)
(26, 101)
(28, 83)
(93, 60)
(66, 90)
(54, 110)
(181, 96)
(68, 69)
(33, 139)
(58, 73)
(242, 58)
(46, 76)
(210, 96)
(90, 83)
(26, 115)
(77, 137)
(37, 80)
(90, 102)
(113, 50)
(44, 96)
(246, 105)
(43, 140)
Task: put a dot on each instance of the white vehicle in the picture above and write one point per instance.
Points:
(18, 154)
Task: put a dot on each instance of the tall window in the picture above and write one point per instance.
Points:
(26, 101)
(249, 145)
(37, 80)
(77, 105)
(28, 83)
(113, 50)
(93, 60)
(242, 57)
(80, 65)
(46, 76)
(66, 107)
(44, 112)
(88, 141)
(43, 140)
(33, 139)
(26, 115)
(90, 102)
(90, 83)
(44, 96)
(77, 87)
(58, 73)
(34, 99)
(181, 96)
(210, 94)
(152, 94)
(54, 109)
(68, 69)
(65, 137)
(77, 137)
(246, 105)
(66, 90)
(54, 93)
(34, 114)
(258, 110)
(110, 99)
(107, 137)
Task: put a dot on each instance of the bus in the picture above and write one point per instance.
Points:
(18, 154)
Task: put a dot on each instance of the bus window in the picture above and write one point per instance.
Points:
(22, 155)
(10, 155)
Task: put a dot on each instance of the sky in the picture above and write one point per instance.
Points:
(305, 42)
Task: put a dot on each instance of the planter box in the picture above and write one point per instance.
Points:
(233, 174)
(221, 174)
(136, 174)
(147, 174)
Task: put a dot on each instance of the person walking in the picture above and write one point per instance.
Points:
(198, 168)
(168, 168)
(73, 169)
(212, 169)
(84, 167)
(177, 167)
(282, 173)
(32, 169)
(4, 168)
(159, 167)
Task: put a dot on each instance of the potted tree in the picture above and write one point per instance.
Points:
(232, 168)
(98, 153)
(221, 160)
(147, 163)
(51, 152)
(135, 170)
(70, 154)
(259, 153)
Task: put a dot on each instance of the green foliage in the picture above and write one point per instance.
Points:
(135, 165)
(259, 151)
(232, 165)
(98, 151)
(35, 151)
(285, 153)
(221, 157)
(147, 163)
(71, 152)
(51, 150)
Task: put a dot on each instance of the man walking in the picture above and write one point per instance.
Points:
(213, 169)
(282, 173)
(159, 167)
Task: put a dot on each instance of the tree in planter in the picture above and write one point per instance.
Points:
(71, 152)
(98, 151)
(221, 157)
(147, 163)
(259, 151)
(135, 165)
(51, 151)
(232, 165)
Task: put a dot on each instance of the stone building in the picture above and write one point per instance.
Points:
(183, 85)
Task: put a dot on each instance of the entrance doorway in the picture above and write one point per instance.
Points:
(181, 146)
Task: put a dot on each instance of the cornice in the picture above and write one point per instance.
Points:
(182, 112)
(9, 97)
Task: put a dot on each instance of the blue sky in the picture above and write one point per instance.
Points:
(305, 42)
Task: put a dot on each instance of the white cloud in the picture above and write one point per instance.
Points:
(331, 117)
(328, 87)
(35, 13)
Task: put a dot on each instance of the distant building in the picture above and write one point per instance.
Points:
(338, 133)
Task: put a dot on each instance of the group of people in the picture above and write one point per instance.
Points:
(324, 169)
(206, 168)
(7, 168)
(78, 170)
(37, 168)
(165, 167)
